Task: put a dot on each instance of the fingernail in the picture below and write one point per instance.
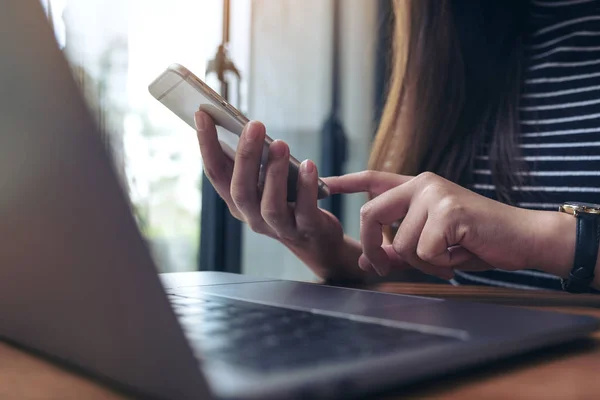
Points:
(378, 269)
(252, 131)
(383, 267)
(446, 275)
(279, 149)
(200, 121)
(364, 264)
(382, 270)
(308, 167)
(366, 267)
(385, 270)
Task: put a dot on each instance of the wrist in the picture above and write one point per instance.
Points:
(337, 261)
(554, 243)
(554, 251)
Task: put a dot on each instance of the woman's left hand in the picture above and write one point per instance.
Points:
(444, 226)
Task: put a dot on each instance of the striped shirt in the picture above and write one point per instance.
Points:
(559, 113)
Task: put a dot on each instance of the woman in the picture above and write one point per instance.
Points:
(491, 121)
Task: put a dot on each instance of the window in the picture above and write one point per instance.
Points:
(116, 48)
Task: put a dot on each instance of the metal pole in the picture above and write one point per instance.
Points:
(333, 137)
(222, 52)
(221, 234)
(226, 19)
(335, 71)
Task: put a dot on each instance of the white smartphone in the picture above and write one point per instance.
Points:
(183, 93)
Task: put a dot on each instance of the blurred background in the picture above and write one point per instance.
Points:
(313, 71)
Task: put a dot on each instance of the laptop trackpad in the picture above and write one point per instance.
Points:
(307, 295)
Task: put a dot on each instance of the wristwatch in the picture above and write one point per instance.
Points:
(586, 245)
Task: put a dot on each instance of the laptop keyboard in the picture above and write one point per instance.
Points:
(271, 338)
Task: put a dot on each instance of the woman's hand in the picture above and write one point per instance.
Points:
(313, 234)
(446, 227)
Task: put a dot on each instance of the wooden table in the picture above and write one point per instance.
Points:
(568, 371)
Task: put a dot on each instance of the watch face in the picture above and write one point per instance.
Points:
(573, 207)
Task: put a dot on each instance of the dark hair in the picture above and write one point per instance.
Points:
(455, 85)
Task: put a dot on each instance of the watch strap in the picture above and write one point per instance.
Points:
(586, 254)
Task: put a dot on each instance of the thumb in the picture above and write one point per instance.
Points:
(372, 182)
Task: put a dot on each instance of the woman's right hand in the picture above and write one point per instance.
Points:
(313, 234)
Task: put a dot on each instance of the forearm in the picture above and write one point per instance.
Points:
(554, 246)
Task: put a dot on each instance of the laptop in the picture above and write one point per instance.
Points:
(78, 284)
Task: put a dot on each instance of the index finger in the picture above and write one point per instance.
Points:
(206, 131)
(373, 182)
(217, 165)
(383, 210)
